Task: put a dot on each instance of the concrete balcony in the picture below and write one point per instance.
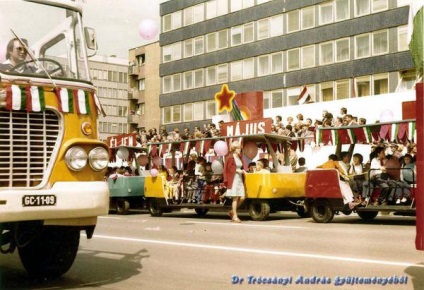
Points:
(133, 119)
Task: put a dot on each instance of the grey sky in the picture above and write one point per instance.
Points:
(116, 23)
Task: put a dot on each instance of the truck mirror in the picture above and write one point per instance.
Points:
(90, 38)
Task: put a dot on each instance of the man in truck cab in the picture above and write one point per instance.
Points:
(16, 55)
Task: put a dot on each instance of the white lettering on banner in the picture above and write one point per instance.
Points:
(246, 128)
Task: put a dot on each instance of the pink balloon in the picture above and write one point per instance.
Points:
(220, 148)
(142, 160)
(157, 161)
(154, 172)
(148, 29)
(250, 150)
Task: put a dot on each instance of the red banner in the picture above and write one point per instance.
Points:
(122, 140)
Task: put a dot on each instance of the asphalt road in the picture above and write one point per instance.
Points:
(182, 251)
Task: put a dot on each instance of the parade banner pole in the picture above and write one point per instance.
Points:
(419, 198)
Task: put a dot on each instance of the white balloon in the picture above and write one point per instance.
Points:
(217, 167)
(123, 153)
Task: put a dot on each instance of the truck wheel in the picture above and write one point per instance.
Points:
(259, 210)
(154, 207)
(122, 206)
(51, 253)
(367, 215)
(201, 211)
(321, 211)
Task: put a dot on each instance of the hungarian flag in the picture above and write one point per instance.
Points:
(29, 98)
(81, 97)
(185, 147)
(65, 100)
(303, 96)
(415, 33)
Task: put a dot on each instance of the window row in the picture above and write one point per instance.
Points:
(112, 93)
(364, 45)
(107, 75)
(304, 18)
(189, 112)
(113, 110)
(113, 127)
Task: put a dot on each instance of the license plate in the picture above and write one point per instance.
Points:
(38, 200)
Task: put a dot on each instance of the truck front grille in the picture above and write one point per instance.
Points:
(27, 141)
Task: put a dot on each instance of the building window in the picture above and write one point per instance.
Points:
(277, 63)
(198, 78)
(308, 17)
(379, 5)
(326, 13)
(188, 80)
(402, 33)
(199, 13)
(222, 7)
(292, 96)
(211, 9)
(177, 19)
(236, 5)
(211, 76)
(380, 42)
(248, 33)
(362, 7)
(188, 112)
(293, 59)
(198, 111)
(236, 35)
(210, 109)
(141, 109)
(248, 68)
(236, 70)
(327, 92)
(277, 25)
(199, 45)
(342, 50)
(362, 46)
(363, 86)
(188, 48)
(263, 65)
(222, 73)
(381, 84)
(293, 21)
(263, 28)
(167, 84)
(326, 53)
(167, 22)
(308, 56)
(266, 100)
(407, 80)
(342, 89)
(223, 39)
(277, 99)
(166, 115)
(188, 16)
(176, 82)
(141, 84)
(211, 42)
(342, 10)
(176, 114)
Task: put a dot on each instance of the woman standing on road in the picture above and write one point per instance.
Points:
(233, 179)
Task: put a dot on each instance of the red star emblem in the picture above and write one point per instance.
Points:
(225, 98)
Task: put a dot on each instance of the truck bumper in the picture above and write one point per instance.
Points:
(77, 203)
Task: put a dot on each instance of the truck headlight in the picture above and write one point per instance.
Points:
(76, 158)
(98, 158)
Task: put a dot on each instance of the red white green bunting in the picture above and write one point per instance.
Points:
(65, 100)
(29, 98)
(83, 106)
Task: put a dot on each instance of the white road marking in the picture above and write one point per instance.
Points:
(247, 225)
(265, 252)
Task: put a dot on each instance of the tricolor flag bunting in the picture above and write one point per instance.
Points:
(29, 98)
(83, 106)
(99, 105)
(65, 100)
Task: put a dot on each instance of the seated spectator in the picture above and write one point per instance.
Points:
(358, 172)
(252, 167)
(302, 166)
(260, 167)
(173, 183)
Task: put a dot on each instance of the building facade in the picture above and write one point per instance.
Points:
(110, 77)
(339, 50)
(144, 87)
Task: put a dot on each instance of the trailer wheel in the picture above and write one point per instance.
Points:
(321, 211)
(154, 207)
(51, 252)
(201, 211)
(259, 210)
(367, 215)
(122, 206)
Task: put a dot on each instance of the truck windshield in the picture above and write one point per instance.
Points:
(41, 40)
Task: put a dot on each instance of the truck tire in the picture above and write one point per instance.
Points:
(367, 215)
(259, 210)
(154, 207)
(51, 252)
(321, 211)
(122, 206)
(301, 212)
(201, 211)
